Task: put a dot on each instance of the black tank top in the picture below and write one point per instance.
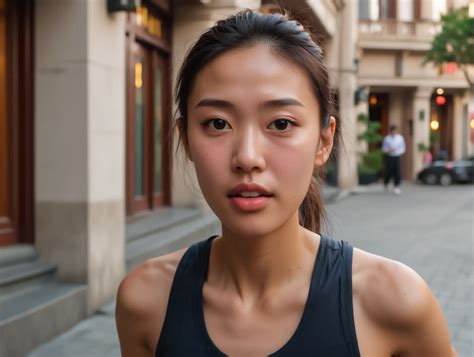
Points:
(326, 328)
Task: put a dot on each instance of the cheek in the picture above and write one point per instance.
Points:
(293, 166)
(210, 164)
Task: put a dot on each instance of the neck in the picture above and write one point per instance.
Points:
(255, 266)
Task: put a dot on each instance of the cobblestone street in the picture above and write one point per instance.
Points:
(429, 228)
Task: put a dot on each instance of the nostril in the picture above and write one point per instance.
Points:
(248, 168)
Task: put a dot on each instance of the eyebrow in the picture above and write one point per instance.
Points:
(273, 103)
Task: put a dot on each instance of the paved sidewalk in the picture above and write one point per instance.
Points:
(429, 228)
(93, 337)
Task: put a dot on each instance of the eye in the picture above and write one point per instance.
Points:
(216, 124)
(282, 125)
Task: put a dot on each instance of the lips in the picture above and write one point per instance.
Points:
(249, 187)
(250, 197)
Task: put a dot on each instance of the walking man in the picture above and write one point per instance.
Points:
(393, 147)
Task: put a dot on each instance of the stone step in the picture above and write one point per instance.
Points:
(36, 315)
(18, 253)
(25, 275)
(161, 219)
(175, 237)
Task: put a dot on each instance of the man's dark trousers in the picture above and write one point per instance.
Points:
(392, 169)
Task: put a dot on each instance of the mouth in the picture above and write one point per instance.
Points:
(249, 190)
(250, 197)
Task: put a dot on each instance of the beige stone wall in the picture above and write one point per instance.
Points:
(378, 67)
(362, 146)
(80, 143)
(396, 105)
(377, 64)
(462, 145)
(421, 128)
(347, 84)
(106, 152)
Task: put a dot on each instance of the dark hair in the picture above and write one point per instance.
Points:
(286, 38)
(393, 127)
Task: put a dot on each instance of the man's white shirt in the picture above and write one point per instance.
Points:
(394, 145)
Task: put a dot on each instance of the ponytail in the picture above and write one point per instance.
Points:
(311, 211)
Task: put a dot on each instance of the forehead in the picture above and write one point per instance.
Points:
(252, 74)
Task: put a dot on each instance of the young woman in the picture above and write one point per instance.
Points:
(258, 122)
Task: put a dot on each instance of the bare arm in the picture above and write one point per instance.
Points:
(131, 319)
(402, 305)
(142, 300)
(425, 331)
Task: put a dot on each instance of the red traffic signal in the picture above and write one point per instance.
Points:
(440, 100)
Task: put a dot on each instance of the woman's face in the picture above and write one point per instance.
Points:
(253, 118)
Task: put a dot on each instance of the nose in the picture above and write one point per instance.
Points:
(248, 152)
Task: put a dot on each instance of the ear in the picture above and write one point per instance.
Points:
(183, 136)
(325, 142)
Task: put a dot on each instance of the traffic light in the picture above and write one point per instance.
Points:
(440, 100)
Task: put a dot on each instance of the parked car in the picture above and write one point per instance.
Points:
(447, 172)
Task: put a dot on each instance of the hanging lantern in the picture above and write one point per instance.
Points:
(373, 100)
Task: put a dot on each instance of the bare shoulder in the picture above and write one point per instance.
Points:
(391, 291)
(398, 300)
(142, 299)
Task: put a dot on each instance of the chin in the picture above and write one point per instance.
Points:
(248, 226)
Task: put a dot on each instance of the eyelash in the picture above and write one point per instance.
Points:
(208, 121)
(291, 122)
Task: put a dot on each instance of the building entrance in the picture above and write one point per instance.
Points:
(148, 111)
(16, 118)
(441, 138)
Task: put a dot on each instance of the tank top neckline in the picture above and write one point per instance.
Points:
(310, 300)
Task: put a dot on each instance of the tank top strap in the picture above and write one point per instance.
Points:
(334, 291)
(327, 325)
(347, 307)
(185, 298)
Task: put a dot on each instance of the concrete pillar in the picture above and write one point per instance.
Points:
(469, 102)
(362, 108)
(426, 9)
(395, 110)
(458, 130)
(421, 126)
(190, 21)
(347, 161)
(80, 143)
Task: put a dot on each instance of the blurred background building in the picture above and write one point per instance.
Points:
(420, 99)
(90, 185)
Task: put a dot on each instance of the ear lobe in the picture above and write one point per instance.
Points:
(322, 155)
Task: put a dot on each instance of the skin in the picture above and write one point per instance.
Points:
(260, 268)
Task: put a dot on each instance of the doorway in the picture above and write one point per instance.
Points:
(378, 112)
(16, 122)
(147, 149)
(442, 131)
